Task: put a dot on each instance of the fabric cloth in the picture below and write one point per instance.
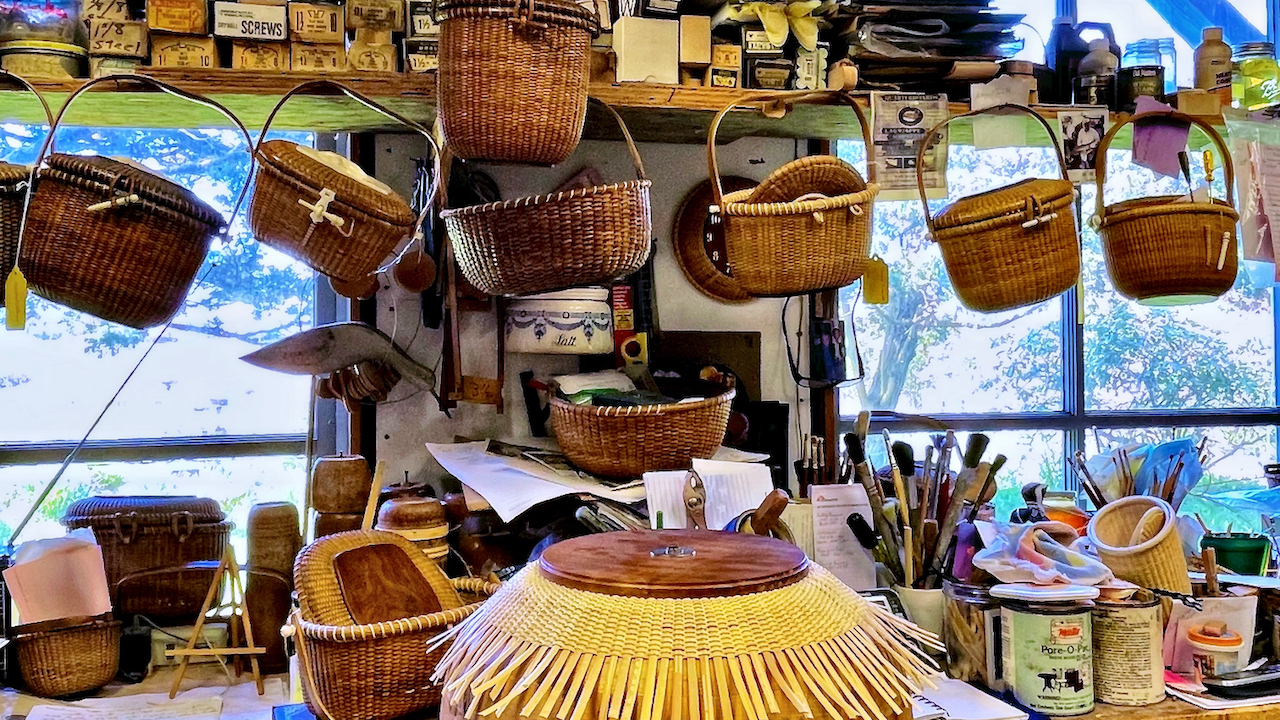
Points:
(1042, 553)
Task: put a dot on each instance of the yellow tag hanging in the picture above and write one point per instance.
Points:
(875, 282)
(15, 301)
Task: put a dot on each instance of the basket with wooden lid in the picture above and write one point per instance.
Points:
(323, 209)
(1011, 247)
(1165, 250)
(680, 623)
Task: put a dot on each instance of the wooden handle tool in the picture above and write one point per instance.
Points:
(1210, 558)
(765, 518)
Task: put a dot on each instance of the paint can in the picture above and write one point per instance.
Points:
(1134, 82)
(1128, 659)
(1047, 651)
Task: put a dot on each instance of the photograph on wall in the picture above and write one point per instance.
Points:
(1082, 132)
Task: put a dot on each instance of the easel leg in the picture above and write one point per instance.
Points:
(198, 629)
(238, 592)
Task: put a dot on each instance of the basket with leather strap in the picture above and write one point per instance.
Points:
(513, 78)
(113, 239)
(323, 209)
(1162, 250)
(585, 236)
(808, 226)
(68, 656)
(627, 442)
(1010, 247)
(15, 186)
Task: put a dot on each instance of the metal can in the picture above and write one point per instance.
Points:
(1128, 659)
(1134, 82)
(969, 621)
(1096, 90)
(1047, 651)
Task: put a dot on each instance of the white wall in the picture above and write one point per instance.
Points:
(404, 426)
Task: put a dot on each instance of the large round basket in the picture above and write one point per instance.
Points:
(1011, 247)
(627, 442)
(800, 244)
(68, 656)
(1163, 251)
(587, 236)
(513, 78)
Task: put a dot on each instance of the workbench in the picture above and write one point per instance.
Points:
(1172, 709)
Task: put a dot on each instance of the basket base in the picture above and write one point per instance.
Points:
(1177, 300)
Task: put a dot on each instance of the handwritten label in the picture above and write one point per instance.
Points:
(118, 38)
(105, 9)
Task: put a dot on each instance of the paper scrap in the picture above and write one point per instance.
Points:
(834, 545)
(201, 709)
(59, 578)
(732, 489)
(1157, 141)
(994, 131)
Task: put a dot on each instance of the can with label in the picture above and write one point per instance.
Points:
(1134, 82)
(1047, 653)
(1128, 658)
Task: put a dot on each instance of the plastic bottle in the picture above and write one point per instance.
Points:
(1100, 61)
(1213, 65)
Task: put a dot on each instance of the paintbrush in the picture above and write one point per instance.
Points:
(899, 488)
(964, 485)
(989, 487)
(863, 425)
(940, 476)
(905, 457)
(875, 498)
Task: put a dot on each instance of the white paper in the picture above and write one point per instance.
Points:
(201, 709)
(59, 578)
(728, 454)
(513, 485)
(1239, 613)
(961, 701)
(799, 519)
(900, 122)
(732, 489)
(993, 131)
(1209, 702)
(834, 545)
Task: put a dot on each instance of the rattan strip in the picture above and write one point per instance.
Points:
(1165, 205)
(169, 212)
(663, 409)
(540, 645)
(851, 200)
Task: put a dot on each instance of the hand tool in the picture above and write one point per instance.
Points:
(964, 485)
(765, 518)
(888, 534)
(695, 502)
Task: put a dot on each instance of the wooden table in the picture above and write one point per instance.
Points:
(1172, 709)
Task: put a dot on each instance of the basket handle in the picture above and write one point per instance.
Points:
(1100, 171)
(626, 135)
(787, 99)
(26, 198)
(370, 104)
(935, 134)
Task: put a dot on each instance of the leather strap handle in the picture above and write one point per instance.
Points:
(787, 99)
(935, 134)
(1100, 171)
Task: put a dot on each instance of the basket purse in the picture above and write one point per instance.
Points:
(15, 191)
(111, 239)
(322, 209)
(585, 236)
(1162, 251)
(513, 78)
(807, 227)
(1011, 247)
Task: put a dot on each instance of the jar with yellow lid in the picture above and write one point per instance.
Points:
(1255, 76)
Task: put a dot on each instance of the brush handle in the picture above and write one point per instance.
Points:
(974, 447)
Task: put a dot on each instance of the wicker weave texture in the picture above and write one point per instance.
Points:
(1156, 563)
(176, 597)
(68, 661)
(1158, 248)
(132, 264)
(513, 90)
(13, 189)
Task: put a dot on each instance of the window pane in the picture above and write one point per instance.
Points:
(924, 352)
(236, 483)
(1037, 24)
(68, 364)
(1216, 355)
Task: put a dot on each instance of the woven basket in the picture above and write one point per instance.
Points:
(68, 656)
(587, 236)
(379, 671)
(111, 239)
(1011, 247)
(780, 244)
(309, 206)
(14, 181)
(1158, 562)
(513, 78)
(1163, 252)
(628, 442)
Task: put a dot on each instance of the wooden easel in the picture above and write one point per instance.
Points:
(230, 569)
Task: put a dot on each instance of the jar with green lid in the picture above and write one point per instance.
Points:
(969, 623)
(1255, 76)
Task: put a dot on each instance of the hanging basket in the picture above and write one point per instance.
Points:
(1160, 251)
(15, 187)
(1011, 247)
(808, 226)
(322, 209)
(586, 236)
(513, 78)
(112, 239)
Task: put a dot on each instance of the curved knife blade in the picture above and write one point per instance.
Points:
(327, 348)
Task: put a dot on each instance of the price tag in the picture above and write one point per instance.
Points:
(15, 301)
(118, 38)
(875, 282)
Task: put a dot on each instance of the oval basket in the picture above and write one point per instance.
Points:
(795, 247)
(587, 236)
(1163, 252)
(513, 78)
(628, 442)
(1011, 247)
(59, 659)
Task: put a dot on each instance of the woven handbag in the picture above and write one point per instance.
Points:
(808, 226)
(15, 191)
(586, 236)
(322, 209)
(513, 78)
(112, 239)
(1011, 247)
(1162, 251)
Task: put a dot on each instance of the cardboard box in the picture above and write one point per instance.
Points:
(184, 51)
(375, 15)
(186, 17)
(647, 50)
(104, 10)
(769, 73)
(695, 40)
(251, 55)
(1201, 103)
(308, 57)
(726, 55)
(424, 18)
(421, 55)
(118, 38)
(250, 21)
(368, 54)
(316, 23)
(811, 68)
(721, 77)
(102, 66)
(755, 41)
(669, 9)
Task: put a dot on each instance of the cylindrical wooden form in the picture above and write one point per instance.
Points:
(274, 542)
(334, 523)
(340, 484)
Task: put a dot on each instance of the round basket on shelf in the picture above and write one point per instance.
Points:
(68, 656)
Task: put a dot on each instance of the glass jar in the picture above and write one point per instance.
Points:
(968, 619)
(1169, 59)
(42, 20)
(1255, 77)
(1148, 53)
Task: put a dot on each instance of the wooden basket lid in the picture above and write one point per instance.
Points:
(548, 12)
(689, 236)
(101, 511)
(823, 174)
(1011, 201)
(113, 178)
(674, 564)
(286, 158)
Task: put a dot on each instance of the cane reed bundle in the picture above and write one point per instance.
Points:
(812, 647)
